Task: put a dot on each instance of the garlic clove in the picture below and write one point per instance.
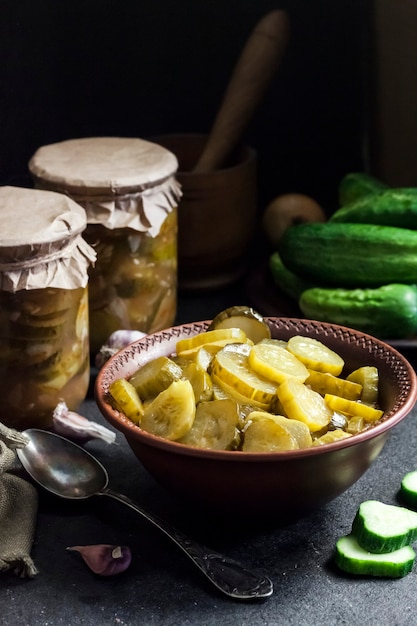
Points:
(74, 426)
(104, 559)
(118, 339)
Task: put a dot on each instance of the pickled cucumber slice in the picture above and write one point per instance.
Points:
(171, 414)
(203, 358)
(369, 413)
(244, 317)
(267, 435)
(200, 381)
(223, 390)
(215, 426)
(315, 355)
(280, 342)
(239, 348)
(55, 373)
(297, 429)
(352, 558)
(276, 363)
(155, 376)
(368, 377)
(323, 383)
(233, 369)
(42, 302)
(32, 333)
(356, 424)
(125, 398)
(244, 409)
(304, 404)
(56, 318)
(42, 355)
(214, 338)
(331, 436)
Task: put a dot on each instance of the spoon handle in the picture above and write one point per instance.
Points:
(229, 576)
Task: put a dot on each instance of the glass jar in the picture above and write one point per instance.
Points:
(129, 191)
(44, 344)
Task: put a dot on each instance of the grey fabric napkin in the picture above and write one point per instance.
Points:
(18, 509)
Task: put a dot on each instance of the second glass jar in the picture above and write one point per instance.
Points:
(129, 191)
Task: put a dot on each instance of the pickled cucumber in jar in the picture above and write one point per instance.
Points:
(133, 283)
(44, 353)
(44, 330)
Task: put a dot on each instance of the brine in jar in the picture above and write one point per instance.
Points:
(44, 325)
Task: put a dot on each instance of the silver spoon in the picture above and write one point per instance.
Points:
(69, 471)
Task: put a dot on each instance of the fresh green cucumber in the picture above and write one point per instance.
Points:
(408, 489)
(389, 207)
(389, 312)
(356, 185)
(350, 255)
(381, 528)
(352, 558)
(288, 282)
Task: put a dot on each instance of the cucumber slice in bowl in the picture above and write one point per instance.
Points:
(245, 318)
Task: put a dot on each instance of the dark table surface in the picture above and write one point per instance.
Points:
(162, 587)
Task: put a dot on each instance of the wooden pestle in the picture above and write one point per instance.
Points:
(256, 65)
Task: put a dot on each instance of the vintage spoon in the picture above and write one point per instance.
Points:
(69, 471)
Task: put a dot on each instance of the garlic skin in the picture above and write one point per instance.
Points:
(118, 339)
(105, 559)
(76, 427)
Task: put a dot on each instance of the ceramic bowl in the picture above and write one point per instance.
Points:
(284, 485)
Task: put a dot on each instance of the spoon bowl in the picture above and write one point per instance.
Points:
(69, 471)
(62, 467)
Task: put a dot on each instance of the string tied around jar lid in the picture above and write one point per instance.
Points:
(142, 211)
(59, 264)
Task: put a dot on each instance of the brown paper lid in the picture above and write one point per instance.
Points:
(102, 165)
(41, 244)
(32, 216)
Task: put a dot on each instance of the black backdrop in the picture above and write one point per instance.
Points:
(73, 68)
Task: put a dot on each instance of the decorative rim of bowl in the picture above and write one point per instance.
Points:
(372, 345)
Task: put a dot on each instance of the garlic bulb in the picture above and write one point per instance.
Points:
(118, 339)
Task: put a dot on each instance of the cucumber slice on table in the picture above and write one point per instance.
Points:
(408, 489)
(381, 528)
(354, 559)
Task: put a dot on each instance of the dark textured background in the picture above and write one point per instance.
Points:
(145, 67)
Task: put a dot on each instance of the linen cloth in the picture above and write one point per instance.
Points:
(18, 509)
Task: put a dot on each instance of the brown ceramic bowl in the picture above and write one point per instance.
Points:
(284, 485)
